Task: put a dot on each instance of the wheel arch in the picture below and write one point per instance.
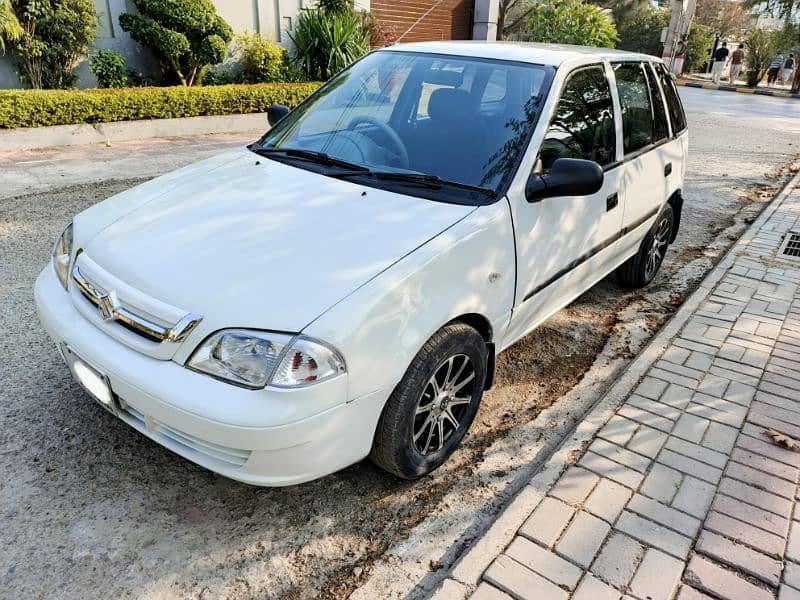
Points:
(478, 322)
(676, 202)
(482, 325)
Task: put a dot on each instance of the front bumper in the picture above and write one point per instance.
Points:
(263, 437)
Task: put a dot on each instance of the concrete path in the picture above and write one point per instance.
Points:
(675, 491)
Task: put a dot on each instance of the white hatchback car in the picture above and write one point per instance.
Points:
(339, 288)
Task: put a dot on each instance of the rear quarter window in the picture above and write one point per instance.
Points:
(676, 115)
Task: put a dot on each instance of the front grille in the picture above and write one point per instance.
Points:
(791, 245)
(138, 331)
(183, 443)
(112, 309)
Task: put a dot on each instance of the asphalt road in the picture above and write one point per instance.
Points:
(91, 509)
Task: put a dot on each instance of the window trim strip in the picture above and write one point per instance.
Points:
(589, 254)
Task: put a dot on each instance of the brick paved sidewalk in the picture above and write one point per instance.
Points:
(680, 494)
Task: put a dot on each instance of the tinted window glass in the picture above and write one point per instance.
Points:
(637, 114)
(659, 113)
(463, 120)
(495, 90)
(676, 115)
(583, 125)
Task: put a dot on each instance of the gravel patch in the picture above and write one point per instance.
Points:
(92, 509)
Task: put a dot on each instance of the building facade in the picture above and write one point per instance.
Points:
(405, 20)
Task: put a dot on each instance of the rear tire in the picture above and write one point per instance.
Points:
(641, 268)
(434, 404)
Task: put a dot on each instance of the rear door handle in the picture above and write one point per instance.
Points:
(612, 201)
(668, 170)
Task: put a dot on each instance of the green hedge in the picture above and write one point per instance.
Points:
(39, 108)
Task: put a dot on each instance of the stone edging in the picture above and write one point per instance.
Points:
(736, 88)
(30, 138)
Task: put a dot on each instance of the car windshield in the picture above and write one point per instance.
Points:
(437, 126)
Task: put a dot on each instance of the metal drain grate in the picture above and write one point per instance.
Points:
(791, 245)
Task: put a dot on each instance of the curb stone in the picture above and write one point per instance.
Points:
(470, 567)
(736, 88)
(32, 138)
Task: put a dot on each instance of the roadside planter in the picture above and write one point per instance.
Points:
(340, 288)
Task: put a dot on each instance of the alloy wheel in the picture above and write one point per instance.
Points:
(443, 403)
(658, 249)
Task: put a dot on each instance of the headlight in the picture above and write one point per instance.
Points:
(255, 359)
(62, 253)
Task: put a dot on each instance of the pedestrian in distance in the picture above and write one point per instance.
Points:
(788, 67)
(737, 61)
(720, 58)
(774, 68)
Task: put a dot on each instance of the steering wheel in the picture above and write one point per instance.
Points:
(398, 144)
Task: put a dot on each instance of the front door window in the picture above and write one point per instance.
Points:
(583, 124)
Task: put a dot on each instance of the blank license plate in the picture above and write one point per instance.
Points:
(92, 380)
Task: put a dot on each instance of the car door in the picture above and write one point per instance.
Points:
(566, 244)
(677, 147)
(646, 167)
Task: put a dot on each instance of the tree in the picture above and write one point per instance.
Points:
(760, 46)
(640, 30)
(511, 15)
(10, 29)
(568, 22)
(185, 35)
(725, 17)
(786, 9)
(56, 34)
(698, 46)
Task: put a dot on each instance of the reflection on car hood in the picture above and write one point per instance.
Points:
(251, 242)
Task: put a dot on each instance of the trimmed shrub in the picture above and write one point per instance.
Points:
(185, 35)
(261, 61)
(109, 68)
(568, 22)
(38, 108)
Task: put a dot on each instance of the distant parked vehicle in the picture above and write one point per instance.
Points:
(340, 288)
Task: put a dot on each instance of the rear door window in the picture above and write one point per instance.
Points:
(661, 129)
(676, 114)
(583, 124)
(638, 130)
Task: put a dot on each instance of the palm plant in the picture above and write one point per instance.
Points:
(10, 29)
(327, 42)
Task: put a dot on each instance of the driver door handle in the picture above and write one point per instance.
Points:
(668, 169)
(612, 201)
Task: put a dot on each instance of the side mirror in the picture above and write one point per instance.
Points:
(276, 112)
(567, 177)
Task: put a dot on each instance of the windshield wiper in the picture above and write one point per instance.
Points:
(421, 179)
(309, 155)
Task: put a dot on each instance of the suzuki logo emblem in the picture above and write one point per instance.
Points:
(107, 303)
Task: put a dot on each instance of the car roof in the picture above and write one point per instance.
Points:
(542, 54)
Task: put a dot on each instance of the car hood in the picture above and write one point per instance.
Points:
(250, 242)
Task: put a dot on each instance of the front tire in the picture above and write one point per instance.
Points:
(640, 269)
(434, 404)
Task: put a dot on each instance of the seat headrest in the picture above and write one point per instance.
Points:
(451, 104)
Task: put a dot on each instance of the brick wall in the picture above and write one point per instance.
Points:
(451, 20)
